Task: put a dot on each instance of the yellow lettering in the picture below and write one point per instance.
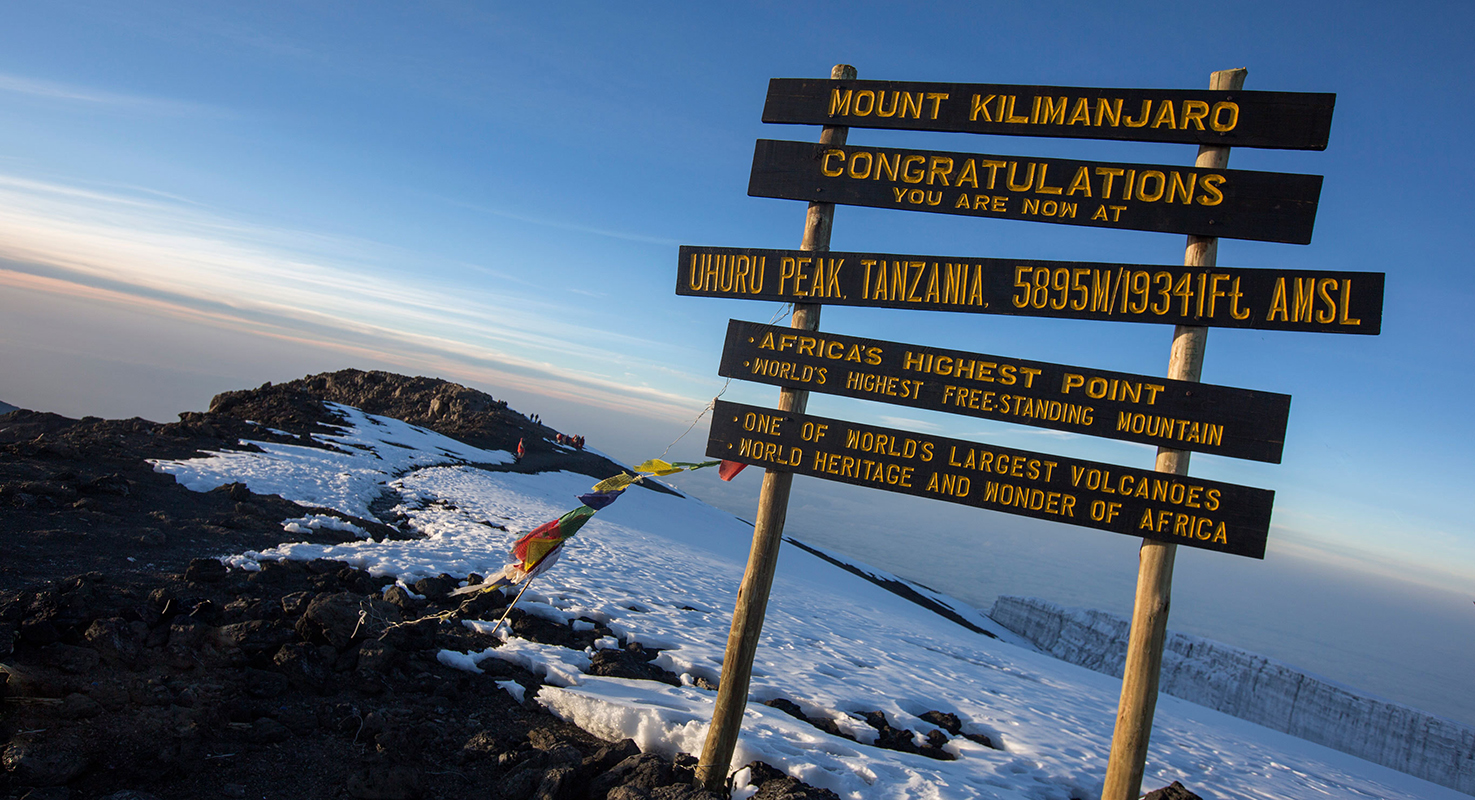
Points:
(824, 165)
(980, 106)
(1211, 196)
(1194, 111)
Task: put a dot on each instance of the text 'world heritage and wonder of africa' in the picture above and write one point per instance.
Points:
(1174, 508)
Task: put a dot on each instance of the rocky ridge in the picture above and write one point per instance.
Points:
(133, 668)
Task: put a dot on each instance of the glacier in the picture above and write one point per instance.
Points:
(1258, 689)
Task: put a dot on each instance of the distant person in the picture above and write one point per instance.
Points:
(521, 451)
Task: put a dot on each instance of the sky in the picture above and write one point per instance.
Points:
(200, 197)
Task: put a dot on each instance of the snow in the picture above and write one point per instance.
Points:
(663, 570)
(513, 688)
(312, 522)
(369, 449)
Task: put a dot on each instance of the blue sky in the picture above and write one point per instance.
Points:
(197, 197)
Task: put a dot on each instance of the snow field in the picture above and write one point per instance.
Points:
(663, 570)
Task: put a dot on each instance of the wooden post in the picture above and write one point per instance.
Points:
(1155, 560)
(773, 508)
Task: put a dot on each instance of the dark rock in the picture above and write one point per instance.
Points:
(186, 636)
(435, 589)
(606, 757)
(947, 721)
(684, 791)
(981, 739)
(113, 484)
(684, 767)
(557, 784)
(484, 745)
(152, 537)
(54, 490)
(625, 664)
(116, 640)
(1173, 791)
(268, 731)
(68, 658)
(519, 784)
(205, 570)
(479, 605)
(760, 773)
(645, 771)
(256, 636)
(79, 706)
(375, 657)
(354, 580)
(303, 666)
(8, 631)
(399, 597)
(260, 683)
(205, 611)
(39, 632)
(934, 747)
(792, 709)
(412, 636)
(342, 619)
(33, 763)
(787, 788)
(325, 566)
(788, 707)
(295, 603)
(384, 782)
(543, 631)
(902, 739)
(131, 794)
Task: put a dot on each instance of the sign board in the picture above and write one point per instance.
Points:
(1171, 508)
(1286, 120)
(1239, 423)
(1238, 204)
(1226, 297)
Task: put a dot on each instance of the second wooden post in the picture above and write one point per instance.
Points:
(1155, 567)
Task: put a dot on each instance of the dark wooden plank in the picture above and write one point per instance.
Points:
(1237, 204)
(1189, 511)
(1283, 120)
(1239, 423)
(1224, 297)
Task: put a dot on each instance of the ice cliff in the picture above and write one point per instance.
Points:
(1260, 690)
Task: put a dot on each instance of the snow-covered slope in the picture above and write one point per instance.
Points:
(1259, 689)
(663, 570)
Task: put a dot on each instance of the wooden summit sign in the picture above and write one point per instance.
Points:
(1171, 508)
(1239, 423)
(1238, 204)
(1206, 201)
(1286, 120)
(1225, 297)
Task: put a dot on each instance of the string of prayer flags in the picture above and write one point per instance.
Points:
(537, 550)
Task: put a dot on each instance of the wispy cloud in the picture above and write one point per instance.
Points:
(178, 260)
(566, 226)
(97, 98)
(908, 423)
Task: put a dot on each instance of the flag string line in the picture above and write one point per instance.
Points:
(536, 551)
